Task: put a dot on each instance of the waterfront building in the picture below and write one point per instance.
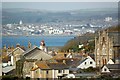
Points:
(20, 22)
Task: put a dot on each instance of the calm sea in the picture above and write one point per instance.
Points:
(35, 40)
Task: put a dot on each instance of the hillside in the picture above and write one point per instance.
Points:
(86, 38)
(14, 15)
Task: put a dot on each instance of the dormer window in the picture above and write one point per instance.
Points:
(90, 62)
(105, 69)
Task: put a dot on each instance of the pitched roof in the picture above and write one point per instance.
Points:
(69, 61)
(113, 66)
(8, 69)
(81, 61)
(116, 37)
(45, 65)
(36, 53)
(13, 50)
(42, 65)
(58, 66)
(29, 50)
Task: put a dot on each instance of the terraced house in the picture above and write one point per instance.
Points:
(45, 70)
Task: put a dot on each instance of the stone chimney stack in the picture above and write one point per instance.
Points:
(29, 44)
(42, 46)
(64, 61)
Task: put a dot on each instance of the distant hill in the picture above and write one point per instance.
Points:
(88, 37)
(114, 29)
(14, 15)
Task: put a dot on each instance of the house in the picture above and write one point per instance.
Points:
(46, 70)
(32, 55)
(78, 62)
(111, 68)
(13, 56)
(36, 53)
(9, 70)
(86, 63)
(28, 64)
(110, 62)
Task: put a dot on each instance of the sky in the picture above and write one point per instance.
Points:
(59, 6)
(60, 0)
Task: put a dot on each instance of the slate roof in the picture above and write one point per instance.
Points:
(113, 66)
(36, 53)
(30, 50)
(116, 38)
(15, 50)
(44, 65)
(58, 66)
(8, 69)
(85, 74)
(69, 61)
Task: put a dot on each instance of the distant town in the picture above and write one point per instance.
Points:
(54, 29)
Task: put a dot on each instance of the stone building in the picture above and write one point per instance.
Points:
(107, 47)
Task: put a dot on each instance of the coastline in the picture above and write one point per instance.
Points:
(36, 35)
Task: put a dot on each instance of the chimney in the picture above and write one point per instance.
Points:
(64, 61)
(65, 55)
(17, 45)
(12, 60)
(29, 44)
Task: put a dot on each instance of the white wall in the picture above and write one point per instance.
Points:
(86, 64)
(103, 70)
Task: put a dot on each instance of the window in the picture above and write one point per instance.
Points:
(46, 72)
(85, 63)
(103, 39)
(90, 62)
(59, 71)
(105, 69)
(63, 71)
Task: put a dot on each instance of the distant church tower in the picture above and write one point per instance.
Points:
(42, 46)
(103, 48)
(20, 22)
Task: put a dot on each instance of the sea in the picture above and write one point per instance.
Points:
(35, 40)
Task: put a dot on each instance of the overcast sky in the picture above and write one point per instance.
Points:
(59, 6)
(60, 0)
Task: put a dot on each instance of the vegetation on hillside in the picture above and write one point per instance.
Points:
(114, 28)
(87, 39)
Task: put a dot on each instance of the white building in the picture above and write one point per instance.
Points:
(20, 22)
(107, 19)
(55, 31)
(111, 68)
(86, 63)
